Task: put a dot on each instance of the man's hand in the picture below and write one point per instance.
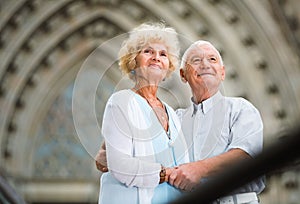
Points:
(101, 162)
(186, 176)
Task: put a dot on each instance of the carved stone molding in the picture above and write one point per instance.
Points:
(43, 44)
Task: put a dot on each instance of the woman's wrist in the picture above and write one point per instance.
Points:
(162, 174)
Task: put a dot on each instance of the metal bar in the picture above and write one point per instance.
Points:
(285, 152)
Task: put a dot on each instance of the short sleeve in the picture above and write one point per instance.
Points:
(247, 129)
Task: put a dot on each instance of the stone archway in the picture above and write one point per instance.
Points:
(44, 43)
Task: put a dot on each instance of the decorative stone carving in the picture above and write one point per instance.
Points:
(43, 42)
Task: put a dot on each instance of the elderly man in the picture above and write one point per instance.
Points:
(220, 130)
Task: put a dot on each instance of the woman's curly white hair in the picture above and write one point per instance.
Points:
(144, 34)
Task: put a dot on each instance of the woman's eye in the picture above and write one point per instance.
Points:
(163, 54)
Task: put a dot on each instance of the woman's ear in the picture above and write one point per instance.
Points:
(182, 75)
(132, 64)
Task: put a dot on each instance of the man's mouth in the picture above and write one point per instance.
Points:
(203, 74)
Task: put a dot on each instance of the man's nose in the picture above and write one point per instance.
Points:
(204, 64)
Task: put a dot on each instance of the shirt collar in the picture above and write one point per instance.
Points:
(207, 104)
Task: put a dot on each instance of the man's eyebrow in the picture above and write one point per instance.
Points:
(212, 54)
(193, 57)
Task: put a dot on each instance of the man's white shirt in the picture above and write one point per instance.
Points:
(220, 124)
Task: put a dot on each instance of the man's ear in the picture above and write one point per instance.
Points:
(182, 75)
(223, 73)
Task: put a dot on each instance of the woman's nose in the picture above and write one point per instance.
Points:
(156, 56)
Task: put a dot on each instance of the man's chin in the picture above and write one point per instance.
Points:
(208, 82)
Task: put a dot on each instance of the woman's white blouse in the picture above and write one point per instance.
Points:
(137, 144)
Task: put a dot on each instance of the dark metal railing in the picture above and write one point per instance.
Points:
(285, 152)
(7, 194)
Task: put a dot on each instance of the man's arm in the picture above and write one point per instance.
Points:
(187, 176)
(101, 162)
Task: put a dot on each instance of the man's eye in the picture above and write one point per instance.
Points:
(195, 61)
(213, 59)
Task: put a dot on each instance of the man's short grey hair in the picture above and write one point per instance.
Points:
(197, 44)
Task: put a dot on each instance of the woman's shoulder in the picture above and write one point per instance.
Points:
(121, 95)
(171, 112)
(168, 107)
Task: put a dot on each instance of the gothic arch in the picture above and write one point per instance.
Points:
(44, 43)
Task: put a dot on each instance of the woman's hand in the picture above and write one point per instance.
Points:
(101, 161)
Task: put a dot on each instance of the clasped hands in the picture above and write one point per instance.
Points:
(184, 177)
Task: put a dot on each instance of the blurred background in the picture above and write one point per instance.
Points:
(44, 44)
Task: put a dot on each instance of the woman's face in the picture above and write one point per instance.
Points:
(152, 62)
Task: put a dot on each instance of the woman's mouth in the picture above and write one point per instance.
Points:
(154, 66)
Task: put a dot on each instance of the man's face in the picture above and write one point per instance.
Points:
(204, 68)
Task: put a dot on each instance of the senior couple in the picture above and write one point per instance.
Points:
(155, 154)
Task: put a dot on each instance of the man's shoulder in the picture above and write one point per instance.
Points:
(180, 112)
(238, 105)
(238, 101)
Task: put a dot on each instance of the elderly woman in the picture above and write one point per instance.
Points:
(142, 133)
